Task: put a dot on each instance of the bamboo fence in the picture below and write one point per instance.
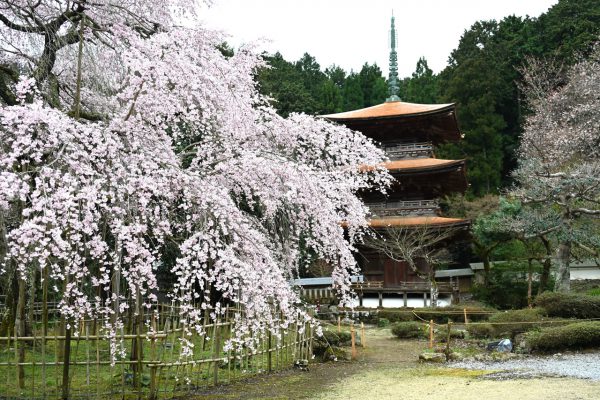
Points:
(33, 366)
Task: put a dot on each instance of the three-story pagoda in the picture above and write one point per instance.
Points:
(409, 134)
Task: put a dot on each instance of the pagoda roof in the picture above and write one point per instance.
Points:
(390, 109)
(417, 221)
(418, 165)
(421, 164)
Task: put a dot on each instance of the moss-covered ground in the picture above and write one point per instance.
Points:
(387, 368)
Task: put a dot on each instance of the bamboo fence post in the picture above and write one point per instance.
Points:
(352, 335)
(87, 353)
(8, 356)
(362, 335)
(153, 358)
(97, 358)
(33, 356)
(448, 340)
(269, 355)
(339, 324)
(431, 334)
(216, 353)
(66, 361)
(44, 333)
(466, 319)
(19, 367)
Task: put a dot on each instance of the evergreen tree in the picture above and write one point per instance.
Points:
(422, 87)
(372, 84)
(353, 94)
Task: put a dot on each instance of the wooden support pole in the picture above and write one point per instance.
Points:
(425, 299)
(380, 299)
(431, 334)
(405, 298)
(269, 355)
(339, 324)
(362, 335)
(352, 335)
(448, 340)
(360, 299)
(66, 359)
(466, 319)
(217, 353)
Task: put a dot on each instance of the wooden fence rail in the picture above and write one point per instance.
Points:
(150, 366)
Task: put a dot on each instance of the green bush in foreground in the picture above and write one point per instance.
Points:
(516, 321)
(573, 336)
(408, 330)
(481, 330)
(396, 315)
(383, 322)
(569, 305)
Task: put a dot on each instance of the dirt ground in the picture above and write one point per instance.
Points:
(388, 369)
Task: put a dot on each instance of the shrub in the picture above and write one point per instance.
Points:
(383, 322)
(396, 315)
(516, 321)
(507, 288)
(569, 305)
(408, 330)
(593, 292)
(573, 336)
(481, 330)
(441, 333)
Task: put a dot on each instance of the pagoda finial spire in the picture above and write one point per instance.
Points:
(393, 81)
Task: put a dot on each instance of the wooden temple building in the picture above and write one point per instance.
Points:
(409, 134)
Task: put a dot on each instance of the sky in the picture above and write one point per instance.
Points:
(351, 32)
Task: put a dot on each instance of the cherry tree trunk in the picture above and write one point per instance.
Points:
(563, 276)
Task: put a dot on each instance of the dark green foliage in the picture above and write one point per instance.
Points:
(395, 315)
(481, 330)
(409, 330)
(593, 292)
(334, 338)
(422, 87)
(482, 77)
(569, 305)
(573, 336)
(383, 322)
(507, 288)
(509, 323)
(372, 84)
(441, 334)
(353, 95)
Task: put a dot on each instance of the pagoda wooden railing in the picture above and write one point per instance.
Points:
(409, 150)
(406, 286)
(404, 208)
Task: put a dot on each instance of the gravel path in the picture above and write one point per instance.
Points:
(576, 365)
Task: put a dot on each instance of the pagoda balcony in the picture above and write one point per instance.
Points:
(408, 150)
(405, 208)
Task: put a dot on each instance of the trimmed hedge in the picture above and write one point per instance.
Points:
(383, 322)
(396, 315)
(573, 336)
(482, 330)
(408, 330)
(516, 321)
(569, 305)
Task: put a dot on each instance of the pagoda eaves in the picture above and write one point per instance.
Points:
(391, 109)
